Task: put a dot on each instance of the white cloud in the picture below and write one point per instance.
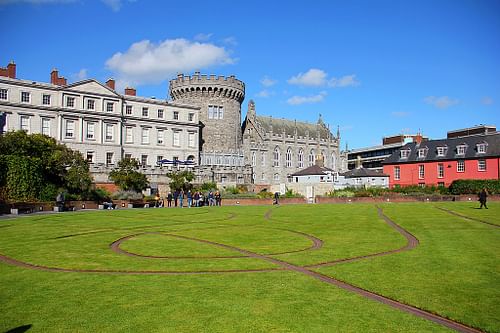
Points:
(442, 102)
(297, 100)
(81, 75)
(230, 41)
(344, 81)
(115, 5)
(201, 37)
(146, 62)
(313, 77)
(267, 81)
(486, 100)
(400, 114)
(265, 93)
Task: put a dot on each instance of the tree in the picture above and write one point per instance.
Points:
(126, 176)
(180, 180)
(35, 166)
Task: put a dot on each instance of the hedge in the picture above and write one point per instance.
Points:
(473, 186)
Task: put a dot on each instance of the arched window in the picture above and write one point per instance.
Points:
(301, 158)
(311, 158)
(276, 157)
(289, 157)
(254, 159)
(276, 177)
(334, 162)
(263, 159)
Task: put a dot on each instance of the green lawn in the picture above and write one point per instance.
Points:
(454, 272)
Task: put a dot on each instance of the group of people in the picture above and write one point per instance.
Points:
(194, 199)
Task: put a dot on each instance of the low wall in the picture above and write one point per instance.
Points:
(429, 198)
(257, 201)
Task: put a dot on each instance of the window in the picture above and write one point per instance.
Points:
(254, 159)
(177, 138)
(334, 162)
(46, 126)
(109, 132)
(158, 159)
(109, 158)
(90, 104)
(481, 165)
(421, 171)
(210, 112)
(441, 184)
(160, 113)
(481, 148)
(440, 170)
(221, 112)
(441, 151)
(160, 137)
(45, 99)
(25, 97)
(128, 110)
(421, 185)
(128, 156)
(276, 177)
(129, 134)
(70, 102)
(145, 136)
(190, 116)
(301, 158)
(461, 149)
(405, 153)
(311, 157)
(109, 106)
(145, 112)
(3, 94)
(461, 166)
(263, 176)
(397, 173)
(421, 153)
(215, 112)
(70, 129)
(144, 160)
(90, 157)
(191, 140)
(176, 115)
(276, 157)
(25, 123)
(90, 131)
(263, 159)
(288, 158)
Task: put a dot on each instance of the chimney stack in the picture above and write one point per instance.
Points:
(130, 91)
(9, 71)
(110, 83)
(56, 79)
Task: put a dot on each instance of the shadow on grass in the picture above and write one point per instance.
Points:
(20, 329)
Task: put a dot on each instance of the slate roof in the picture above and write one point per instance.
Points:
(492, 149)
(288, 126)
(362, 172)
(313, 171)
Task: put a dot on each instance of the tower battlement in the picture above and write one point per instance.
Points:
(197, 85)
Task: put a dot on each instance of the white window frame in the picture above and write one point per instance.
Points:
(4, 94)
(160, 113)
(461, 149)
(109, 161)
(175, 115)
(145, 112)
(481, 165)
(191, 116)
(210, 112)
(110, 107)
(90, 130)
(440, 170)
(254, 159)
(421, 153)
(144, 159)
(110, 132)
(221, 112)
(276, 177)
(461, 166)
(90, 104)
(301, 158)
(311, 158)
(276, 157)
(160, 137)
(90, 154)
(397, 173)
(421, 171)
(191, 139)
(128, 110)
(405, 153)
(129, 134)
(440, 151)
(145, 135)
(481, 148)
(69, 131)
(288, 157)
(176, 138)
(70, 101)
(45, 126)
(263, 159)
(46, 99)
(24, 123)
(25, 94)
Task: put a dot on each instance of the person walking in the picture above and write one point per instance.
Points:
(176, 196)
(169, 199)
(181, 198)
(190, 198)
(483, 195)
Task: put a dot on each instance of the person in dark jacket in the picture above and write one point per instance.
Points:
(169, 199)
(483, 195)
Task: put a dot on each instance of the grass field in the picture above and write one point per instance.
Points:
(250, 269)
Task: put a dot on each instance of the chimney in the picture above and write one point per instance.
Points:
(56, 79)
(9, 71)
(130, 91)
(418, 138)
(110, 83)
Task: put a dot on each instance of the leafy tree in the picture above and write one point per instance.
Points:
(126, 176)
(180, 180)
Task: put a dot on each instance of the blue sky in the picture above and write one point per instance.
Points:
(374, 68)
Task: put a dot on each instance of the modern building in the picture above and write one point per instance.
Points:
(440, 162)
(372, 157)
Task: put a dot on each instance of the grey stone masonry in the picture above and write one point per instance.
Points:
(220, 101)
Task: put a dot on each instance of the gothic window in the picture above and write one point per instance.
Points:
(289, 158)
(301, 158)
(254, 159)
(276, 157)
(334, 162)
(311, 158)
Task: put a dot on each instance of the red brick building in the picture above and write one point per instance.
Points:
(440, 162)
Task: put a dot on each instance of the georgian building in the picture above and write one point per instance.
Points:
(95, 119)
(440, 162)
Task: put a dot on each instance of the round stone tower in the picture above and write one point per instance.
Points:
(220, 101)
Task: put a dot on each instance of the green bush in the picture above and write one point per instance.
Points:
(290, 194)
(127, 195)
(208, 186)
(473, 186)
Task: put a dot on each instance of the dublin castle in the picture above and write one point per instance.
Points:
(202, 123)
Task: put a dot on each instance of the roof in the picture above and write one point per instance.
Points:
(313, 170)
(362, 172)
(289, 126)
(492, 142)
